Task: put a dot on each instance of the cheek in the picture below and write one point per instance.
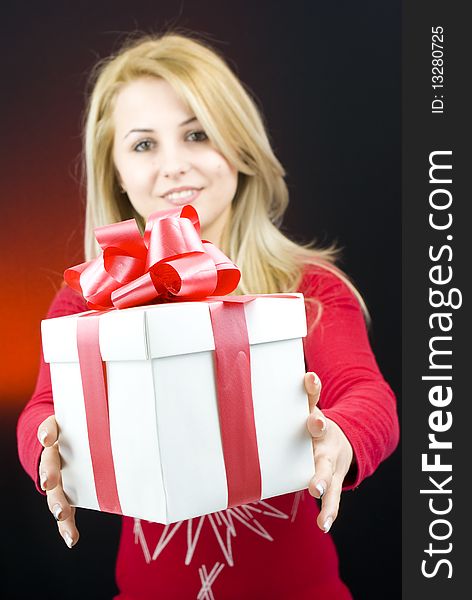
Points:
(123, 171)
(132, 176)
(225, 174)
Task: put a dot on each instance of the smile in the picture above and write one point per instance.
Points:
(182, 196)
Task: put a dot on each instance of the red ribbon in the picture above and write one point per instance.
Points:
(93, 374)
(169, 263)
(235, 405)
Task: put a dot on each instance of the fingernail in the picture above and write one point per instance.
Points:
(327, 524)
(321, 488)
(321, 423)
(316, 379)
(57, 511)
(68, 539)
(42, 436)
(43, 481)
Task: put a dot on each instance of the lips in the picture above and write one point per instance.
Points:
(182, 195)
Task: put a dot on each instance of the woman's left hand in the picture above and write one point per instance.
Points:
(333, 456)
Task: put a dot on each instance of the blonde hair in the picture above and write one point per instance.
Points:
(268, 260)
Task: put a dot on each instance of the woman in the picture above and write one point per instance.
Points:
(169, 124)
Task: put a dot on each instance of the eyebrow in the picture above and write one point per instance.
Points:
(190, 120)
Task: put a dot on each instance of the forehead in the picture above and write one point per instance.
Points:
(148, 98)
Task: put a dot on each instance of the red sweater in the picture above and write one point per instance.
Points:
(268, 549)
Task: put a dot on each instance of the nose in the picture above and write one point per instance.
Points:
(173, 164)
(176, 171)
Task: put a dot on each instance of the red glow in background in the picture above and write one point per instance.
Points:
(41, 210)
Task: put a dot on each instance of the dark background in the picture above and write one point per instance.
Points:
(327, 76)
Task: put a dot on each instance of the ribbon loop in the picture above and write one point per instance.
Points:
(170, 262)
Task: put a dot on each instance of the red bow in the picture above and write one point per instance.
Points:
(169, 262)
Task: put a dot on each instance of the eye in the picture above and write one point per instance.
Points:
(143, 146)
(197, 136)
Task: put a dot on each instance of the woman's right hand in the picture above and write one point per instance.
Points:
(51, 482)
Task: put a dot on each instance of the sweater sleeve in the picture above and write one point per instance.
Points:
(40, 406)
(354, 393)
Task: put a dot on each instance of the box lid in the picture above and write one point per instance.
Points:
(170, 329)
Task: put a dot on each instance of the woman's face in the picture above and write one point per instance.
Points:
(164, 158)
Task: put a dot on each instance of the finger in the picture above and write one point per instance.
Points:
(320, 483)
(317, 424)
(68, 529)
(47, 431)
(58, 504)
(50, 468)
(313, 389)
(330, 504)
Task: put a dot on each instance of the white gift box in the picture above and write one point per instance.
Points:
(164, 427)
